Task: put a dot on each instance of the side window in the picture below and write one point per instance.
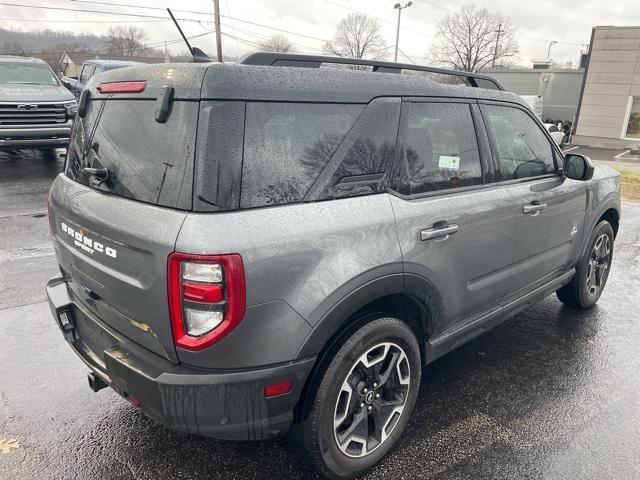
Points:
(86, 74)
(363, 162)
(438, 148)
(521, 149)
(286, 146)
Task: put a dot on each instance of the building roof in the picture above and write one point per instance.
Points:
(534, 70)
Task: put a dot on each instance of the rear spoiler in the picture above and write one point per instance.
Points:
(315, 61)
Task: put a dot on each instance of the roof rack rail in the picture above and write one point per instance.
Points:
(315, 61)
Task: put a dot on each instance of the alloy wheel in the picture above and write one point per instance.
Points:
(598, 264)
(371, 399)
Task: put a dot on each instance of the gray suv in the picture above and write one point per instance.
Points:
(267, 247)
(36, 110)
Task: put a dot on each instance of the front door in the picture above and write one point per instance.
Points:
(549, 207)
(453, 230)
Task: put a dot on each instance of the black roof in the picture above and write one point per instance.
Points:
(251, 82)
(240, 81)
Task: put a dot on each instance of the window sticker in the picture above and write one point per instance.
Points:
(449, 162)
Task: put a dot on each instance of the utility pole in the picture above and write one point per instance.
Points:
(216, 14)
(399, 7)
(500, 31)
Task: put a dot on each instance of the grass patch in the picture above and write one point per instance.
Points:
(630, 186)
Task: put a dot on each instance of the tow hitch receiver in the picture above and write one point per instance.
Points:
(65, 321)
(95, 383)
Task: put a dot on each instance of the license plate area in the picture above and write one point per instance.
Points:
(88, 338)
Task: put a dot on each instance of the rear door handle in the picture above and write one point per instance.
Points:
(534, 209)
(440, 232)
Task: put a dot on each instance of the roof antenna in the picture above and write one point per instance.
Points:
(197, 55)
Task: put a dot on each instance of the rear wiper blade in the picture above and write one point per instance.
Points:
(101, 175)
(95, 172)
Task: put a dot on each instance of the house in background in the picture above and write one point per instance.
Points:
(609, 112)
(70, 64)
(559, 88)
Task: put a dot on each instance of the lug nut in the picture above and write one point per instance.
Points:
(377, 395)
(362, 405)
(375, 385)
(369, 408)
(366, 390)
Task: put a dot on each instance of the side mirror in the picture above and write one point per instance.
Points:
(578, 167)
(66, 83)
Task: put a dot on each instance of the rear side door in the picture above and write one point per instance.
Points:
(549, 207)
(453, 230)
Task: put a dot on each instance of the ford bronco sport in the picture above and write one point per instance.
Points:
(258, 248)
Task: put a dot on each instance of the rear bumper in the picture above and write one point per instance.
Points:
(223, 404)
(35, 136)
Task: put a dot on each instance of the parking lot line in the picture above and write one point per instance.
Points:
(622, 154)
(570, 149)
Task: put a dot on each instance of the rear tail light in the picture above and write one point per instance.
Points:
(137, 86)
(206, 298)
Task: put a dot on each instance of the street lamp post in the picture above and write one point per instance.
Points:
(551, 44)
(399, 8)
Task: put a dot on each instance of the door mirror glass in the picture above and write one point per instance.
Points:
(578, 167)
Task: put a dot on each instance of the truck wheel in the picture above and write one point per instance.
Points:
(584, 290)
(363, 401)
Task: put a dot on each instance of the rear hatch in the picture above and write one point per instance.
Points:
(117, 210)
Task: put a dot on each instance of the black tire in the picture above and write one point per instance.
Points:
(315, 436)
(578, 293)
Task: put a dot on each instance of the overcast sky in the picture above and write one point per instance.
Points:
(568, 22)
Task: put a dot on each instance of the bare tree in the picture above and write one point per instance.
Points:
(127, 41)
(470, 37)
(277, 43)
(358, 35)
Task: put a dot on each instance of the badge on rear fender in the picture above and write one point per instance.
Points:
(87, 244)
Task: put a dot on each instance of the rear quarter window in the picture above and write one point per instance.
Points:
(287, 145)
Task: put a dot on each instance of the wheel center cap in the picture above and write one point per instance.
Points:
(368, 397)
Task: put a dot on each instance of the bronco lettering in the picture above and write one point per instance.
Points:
(87, 244)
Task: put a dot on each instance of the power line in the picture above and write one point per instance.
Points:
(407, 56)
(380, 19)
(178, 40)
(262, 37)
(82, 21)
(427, 12)
(102, 12)
(233, 27)
(143, 7)
(274, 28)
(433, 5)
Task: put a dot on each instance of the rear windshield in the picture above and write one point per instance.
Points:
(120, 148)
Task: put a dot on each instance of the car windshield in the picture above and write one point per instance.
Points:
(26, 73)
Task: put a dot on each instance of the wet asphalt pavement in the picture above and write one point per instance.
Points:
(552, 393)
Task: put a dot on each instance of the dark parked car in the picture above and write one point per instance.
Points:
(36, 111)
(91, 68)
(252, 249)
